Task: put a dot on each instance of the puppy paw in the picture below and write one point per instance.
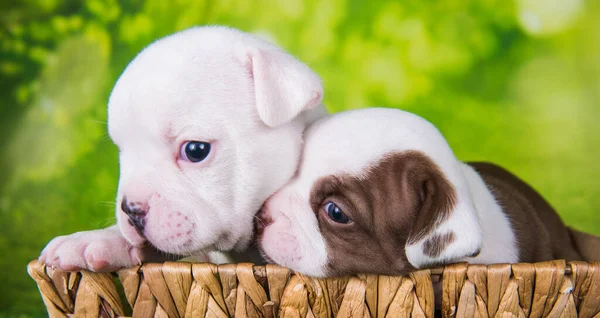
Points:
(99, 251)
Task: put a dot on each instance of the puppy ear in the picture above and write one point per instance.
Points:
(284, 86)
(446, 227)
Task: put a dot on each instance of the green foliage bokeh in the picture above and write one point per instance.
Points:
(513, 82)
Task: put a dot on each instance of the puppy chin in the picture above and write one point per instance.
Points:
(178, 233)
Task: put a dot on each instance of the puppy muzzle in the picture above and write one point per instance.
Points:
(262, 220)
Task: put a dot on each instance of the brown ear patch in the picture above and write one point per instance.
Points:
(401, 198)
(437, 196)
(434, 246)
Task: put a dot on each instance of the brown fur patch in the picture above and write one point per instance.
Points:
(540, 233)
(400, 199)
(434, 246)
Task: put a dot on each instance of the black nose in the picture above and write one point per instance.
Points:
(136, 213)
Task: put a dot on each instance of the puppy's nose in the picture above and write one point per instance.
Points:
(262, 220)
(136, 213)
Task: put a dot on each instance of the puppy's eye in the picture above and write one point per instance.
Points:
(335, 213)
(194, 151)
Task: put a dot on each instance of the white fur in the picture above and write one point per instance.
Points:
(348, 143)
(283, 80)
(499, 243)
(293, 239)
(245, 96)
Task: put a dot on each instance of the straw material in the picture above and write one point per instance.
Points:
(178, 289)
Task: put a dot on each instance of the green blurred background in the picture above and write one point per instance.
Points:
(513, 82)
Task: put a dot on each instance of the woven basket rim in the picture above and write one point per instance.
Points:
(176, 289)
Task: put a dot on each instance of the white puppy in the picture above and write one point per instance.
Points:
(209, 124)
(380, 191)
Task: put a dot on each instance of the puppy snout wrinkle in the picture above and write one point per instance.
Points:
(136, 213)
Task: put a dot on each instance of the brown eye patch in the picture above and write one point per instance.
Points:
(322, 189)
(402, 195)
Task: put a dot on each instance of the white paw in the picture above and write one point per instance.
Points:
(99, 250)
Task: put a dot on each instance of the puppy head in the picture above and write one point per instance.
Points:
(209, 123)
(378, 191)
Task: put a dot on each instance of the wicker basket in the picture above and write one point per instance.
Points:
(177, 289)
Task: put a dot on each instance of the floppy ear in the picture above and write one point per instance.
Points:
(446, 227)
(284, 86)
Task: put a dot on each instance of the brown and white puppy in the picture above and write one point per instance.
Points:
(380, 191)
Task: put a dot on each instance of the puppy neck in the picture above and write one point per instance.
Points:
(499, 239)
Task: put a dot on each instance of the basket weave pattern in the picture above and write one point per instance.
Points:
(177, 289)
